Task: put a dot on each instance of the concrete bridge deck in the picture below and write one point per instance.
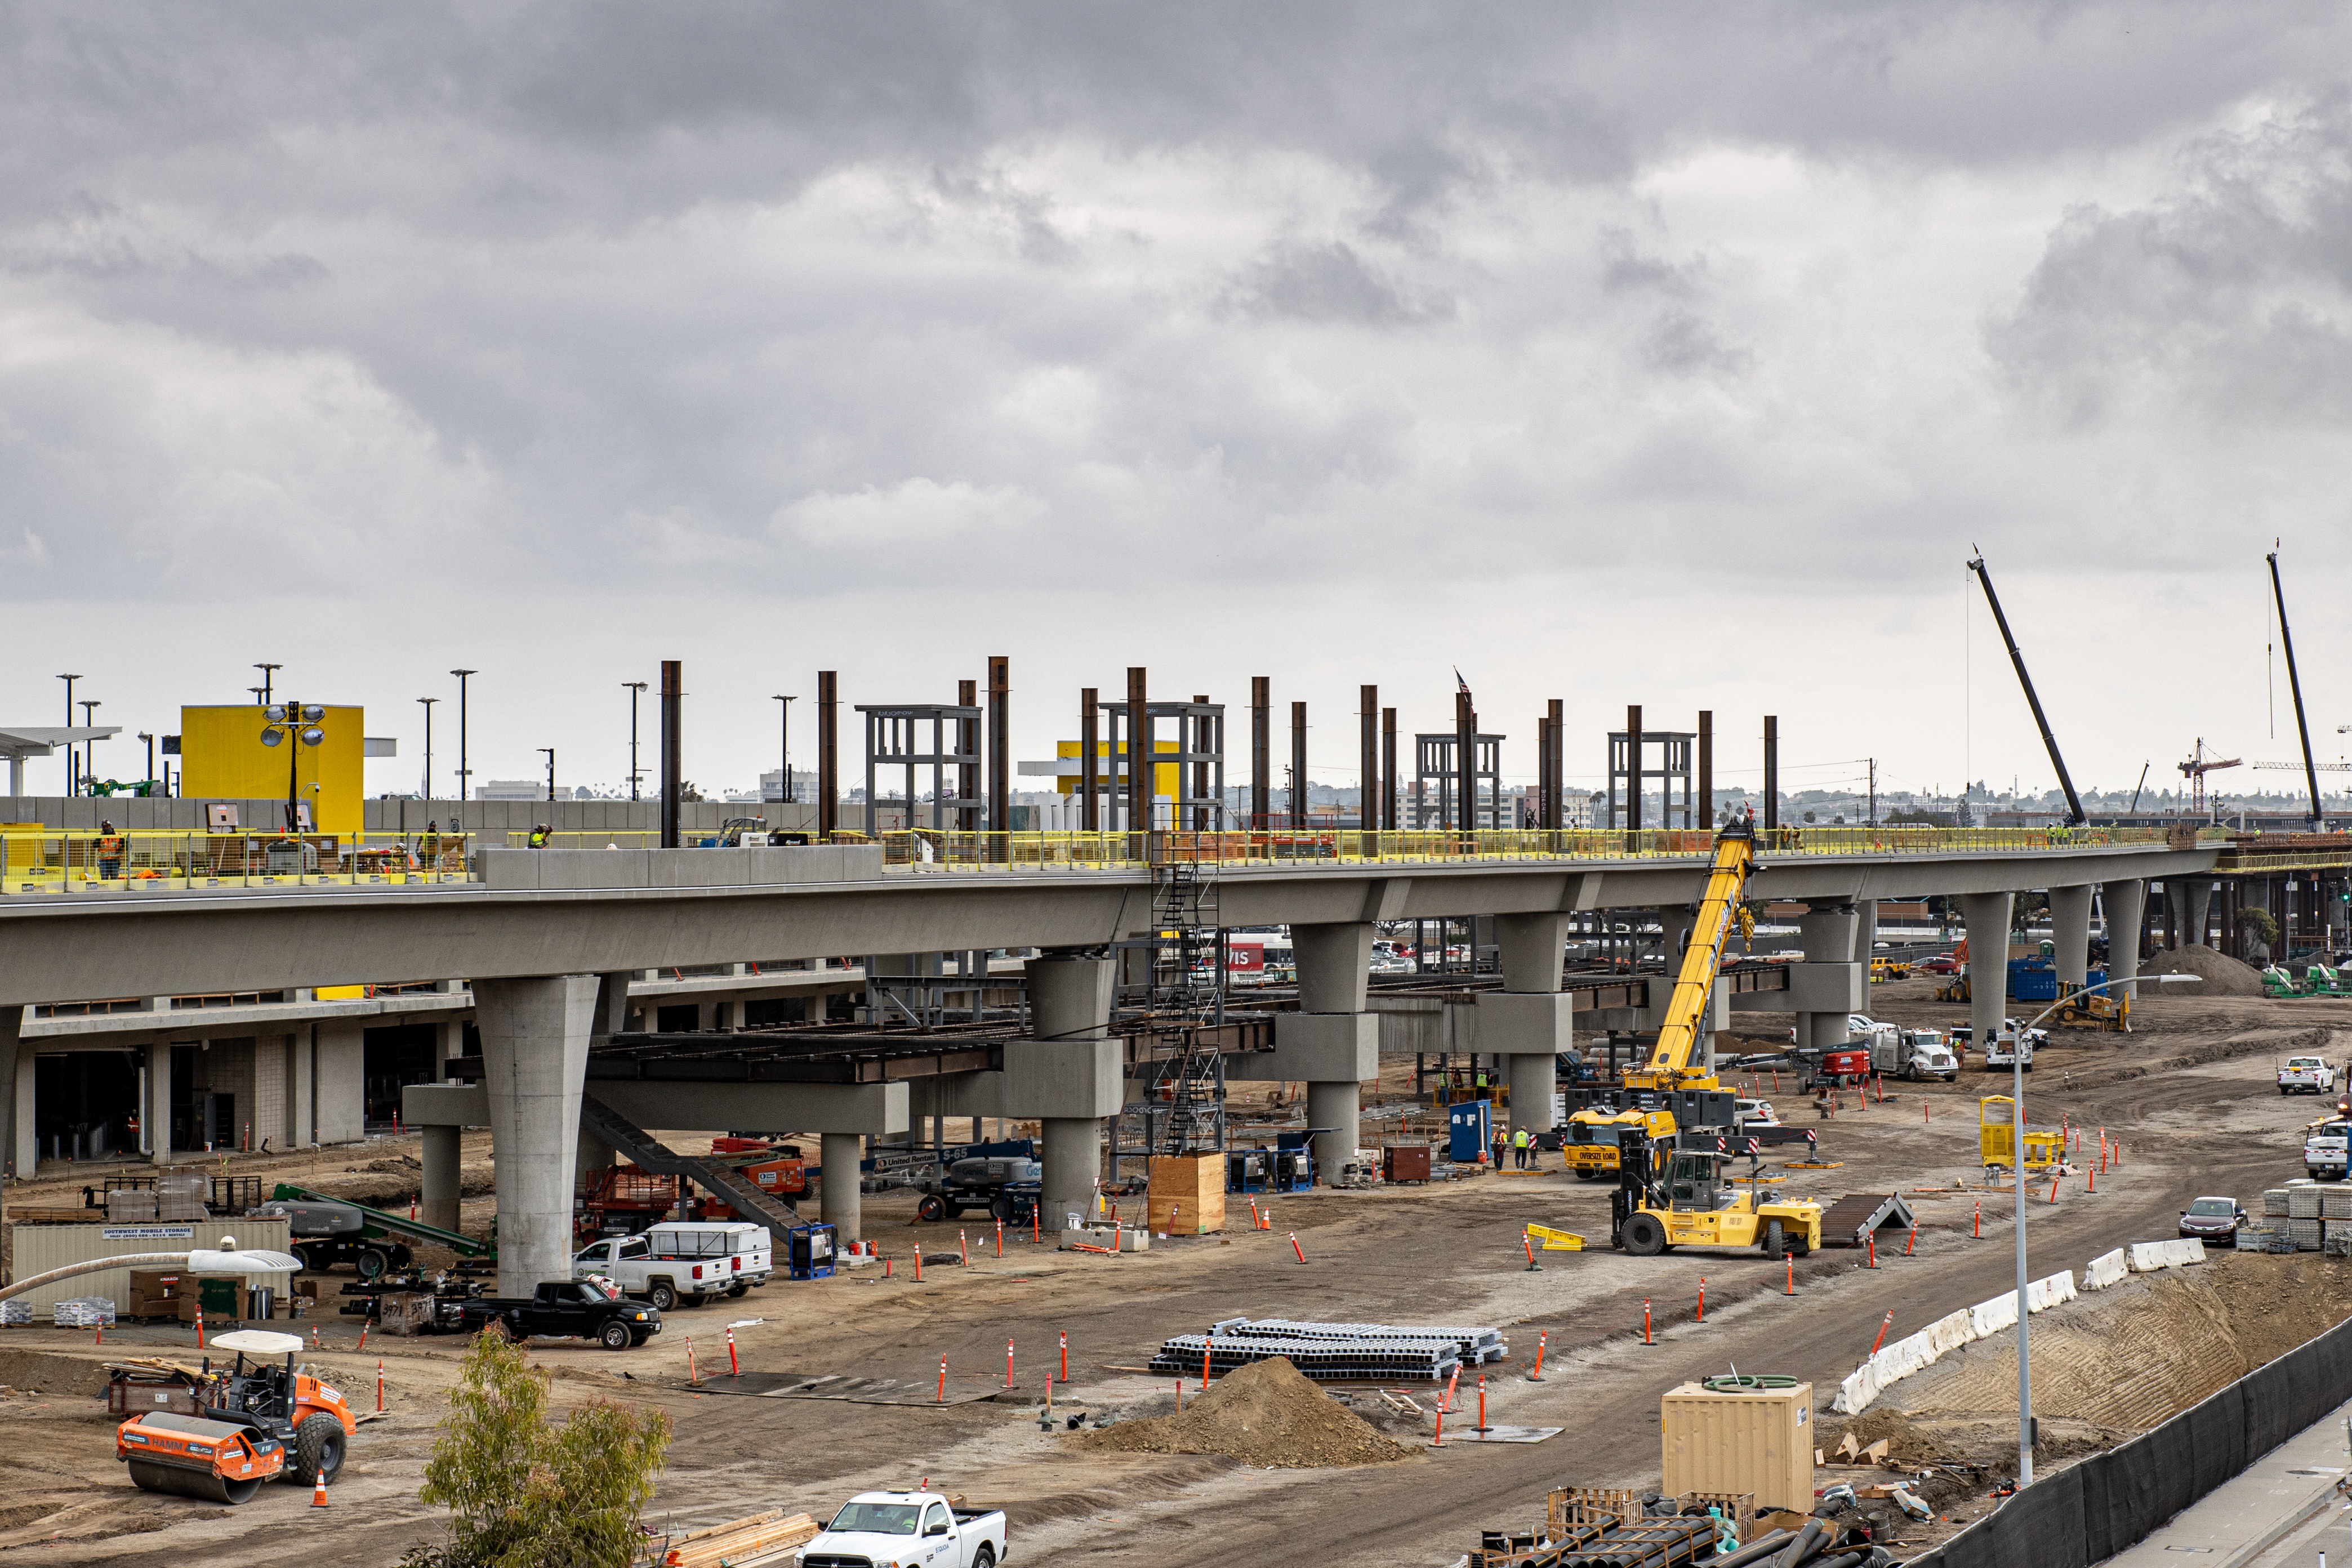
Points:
(551, 941)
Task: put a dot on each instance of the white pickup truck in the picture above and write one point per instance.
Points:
(690, 1261)
(2306, 1075)
(907, 1530)
(2324, 1151)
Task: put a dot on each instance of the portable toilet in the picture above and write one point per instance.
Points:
(1472, 1127)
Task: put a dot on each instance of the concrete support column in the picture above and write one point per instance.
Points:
(1528, 1023)
(302, 1090)
(2126, 906)
(1335, 964)
(1070, 1148)
(14, 1074)
(1865, 938)
(535, 1037)
(437, 1205)
(2196, 904)
(1831, 982)
(1987, 917)
(2070, 931)
(339, 1083)
(838, 1155)
(155, 1116)
(1532, 949)
(1073, 1065)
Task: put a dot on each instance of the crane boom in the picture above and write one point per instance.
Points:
(2074, 817)
(2295, 685)
(1678, 1037)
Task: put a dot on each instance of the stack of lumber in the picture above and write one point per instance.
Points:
(764, 1540)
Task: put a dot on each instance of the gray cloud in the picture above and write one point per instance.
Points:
(2230, 294)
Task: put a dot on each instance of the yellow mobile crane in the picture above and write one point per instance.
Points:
(1594, 1135)
(1670, 1192)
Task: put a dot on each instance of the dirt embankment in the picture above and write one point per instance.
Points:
(2223, 975)
(1268, 1414)
(2104, 1370)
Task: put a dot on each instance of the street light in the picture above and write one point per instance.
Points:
(69, 679)
(428, 702)
(267, 670)
(87, 763)
(294, 721)
(464, 773)
(636, 689)
(549, 751)
(2017, 1170)
(151, 760)
(785, 707)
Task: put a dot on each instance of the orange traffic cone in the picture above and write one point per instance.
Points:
(319, 1488)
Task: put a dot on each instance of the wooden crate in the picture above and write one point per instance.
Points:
(1187, 1196)
(1568, 1506)
(1739, 1508)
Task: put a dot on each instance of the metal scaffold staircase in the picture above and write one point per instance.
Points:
(651, 1154)
(1182, 1108)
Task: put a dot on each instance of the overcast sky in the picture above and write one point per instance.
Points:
(1668, 354)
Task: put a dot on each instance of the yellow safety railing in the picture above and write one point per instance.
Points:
(924, 848)
(47, 860)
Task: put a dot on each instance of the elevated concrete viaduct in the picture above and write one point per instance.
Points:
(541, 931)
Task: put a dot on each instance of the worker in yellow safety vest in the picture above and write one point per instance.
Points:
(1519, 1142)
(540, 836)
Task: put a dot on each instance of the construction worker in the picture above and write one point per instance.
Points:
(1519, 1149)
(109, 852)
(538, 836)
(1502, 1141)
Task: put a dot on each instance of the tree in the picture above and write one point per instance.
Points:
(2258, 924)
(525, 1493)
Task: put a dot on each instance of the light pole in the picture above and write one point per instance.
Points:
(151, 760)
(784, 706)
(463, 771)
(428, 702)
(88, 761)
(636, 689)
(70, 759)
(267, 670)
(549, 751)
(2017, 1171)
(293, 721)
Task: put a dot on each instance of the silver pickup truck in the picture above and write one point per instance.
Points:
(907, 1530)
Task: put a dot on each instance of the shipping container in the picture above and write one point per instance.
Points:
(41, 1248)
(1747, 1439)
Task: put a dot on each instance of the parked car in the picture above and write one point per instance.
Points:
(1754, 1113)
(2209, 1220)
(1938, 964)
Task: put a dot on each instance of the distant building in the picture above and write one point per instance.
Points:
(512, 789)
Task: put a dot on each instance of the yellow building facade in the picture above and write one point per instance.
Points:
(224, 757)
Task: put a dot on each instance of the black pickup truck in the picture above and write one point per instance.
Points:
(567, 1309)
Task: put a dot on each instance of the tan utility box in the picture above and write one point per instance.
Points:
(1754, 1440)
(1187, 1196)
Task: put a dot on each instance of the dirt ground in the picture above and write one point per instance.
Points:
(2190, 1096)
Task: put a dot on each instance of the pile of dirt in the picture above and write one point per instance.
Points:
(2223, 975)
(1268, 1414)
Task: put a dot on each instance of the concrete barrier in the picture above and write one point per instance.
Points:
(1906, 1356)
(2041, 1295)
(1991, 1317)
(2149, 1256)
(2105, 1269)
